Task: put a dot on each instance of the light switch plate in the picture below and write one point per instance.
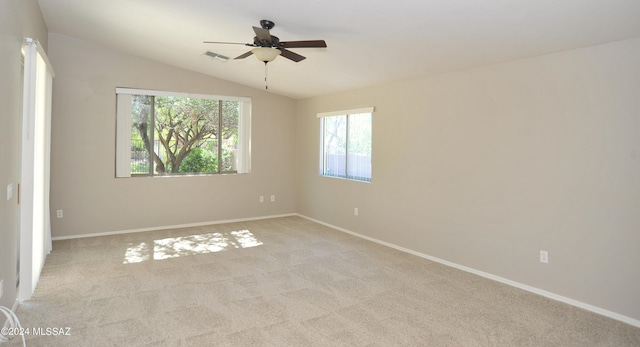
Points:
(544, 257)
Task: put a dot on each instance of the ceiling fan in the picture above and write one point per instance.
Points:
(268, 47)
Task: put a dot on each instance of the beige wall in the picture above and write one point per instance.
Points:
(18, 19)
(83, 182)
(486, 167)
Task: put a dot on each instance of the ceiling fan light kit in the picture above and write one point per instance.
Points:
(266, 54)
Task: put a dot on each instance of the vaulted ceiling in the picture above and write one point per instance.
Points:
(369, 42)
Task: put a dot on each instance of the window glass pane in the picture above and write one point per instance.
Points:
(359, 147)
(335, 137)
(229, 135)
(183, 126)
(141, 113)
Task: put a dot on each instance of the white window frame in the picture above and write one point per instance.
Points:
(123, 127)
(346, 113)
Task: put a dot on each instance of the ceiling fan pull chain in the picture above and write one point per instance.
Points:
(266, 85)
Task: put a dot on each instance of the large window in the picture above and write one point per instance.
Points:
(346, 144)
(162, 133)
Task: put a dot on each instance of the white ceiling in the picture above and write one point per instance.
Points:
(369, 42)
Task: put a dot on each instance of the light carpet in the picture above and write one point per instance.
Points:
(286, 282)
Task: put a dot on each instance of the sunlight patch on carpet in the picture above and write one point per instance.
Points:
(181, 246)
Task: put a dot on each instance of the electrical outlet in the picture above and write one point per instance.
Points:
(355, 211)
(9, 191)
(261, 198)
(544, 257)
(59, 214)
(273, 198)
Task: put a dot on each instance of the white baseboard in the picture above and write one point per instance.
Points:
(528, 288)
(129, 231)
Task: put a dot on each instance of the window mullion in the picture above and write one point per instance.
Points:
(346, 149)
(219, 136)
(152, 136)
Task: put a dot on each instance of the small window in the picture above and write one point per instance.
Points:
(346, 144)
(162, 133)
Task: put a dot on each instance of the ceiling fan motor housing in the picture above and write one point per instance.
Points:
(267, 24)
(264, 43)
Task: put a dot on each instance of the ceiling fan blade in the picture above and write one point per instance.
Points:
(229, 43)
(291, 55)
(304, 44)
(242, 56)
(262, 34)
